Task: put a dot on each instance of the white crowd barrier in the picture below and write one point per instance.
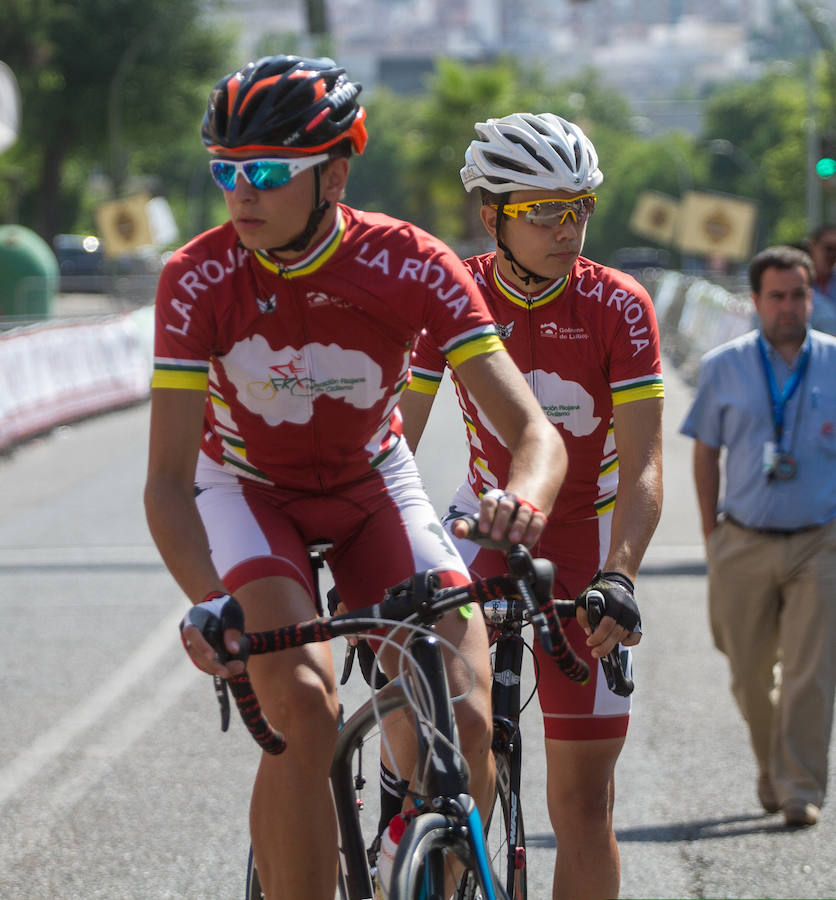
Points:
(696, 315)
(54, 373)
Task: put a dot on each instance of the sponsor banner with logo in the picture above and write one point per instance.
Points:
(655, 216)
(716, 225)
(124, 225)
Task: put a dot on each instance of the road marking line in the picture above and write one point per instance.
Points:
(53, 742)
(125, 732)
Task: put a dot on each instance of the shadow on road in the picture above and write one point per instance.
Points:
(727, 826)
(701, 829)
(678, 568)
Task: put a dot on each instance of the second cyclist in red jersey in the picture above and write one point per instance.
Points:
(586, 339)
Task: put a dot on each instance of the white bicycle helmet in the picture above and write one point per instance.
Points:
(525, 151)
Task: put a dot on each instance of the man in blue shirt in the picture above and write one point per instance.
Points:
(769, 398)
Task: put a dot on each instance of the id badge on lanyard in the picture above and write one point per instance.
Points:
(778, 463)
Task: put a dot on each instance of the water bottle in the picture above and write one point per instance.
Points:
(386, 857)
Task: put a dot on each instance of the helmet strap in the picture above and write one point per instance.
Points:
(301, 241)
(522, 272)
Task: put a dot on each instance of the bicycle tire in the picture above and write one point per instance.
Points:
(422, 860)
(506, 860)
(254, 891)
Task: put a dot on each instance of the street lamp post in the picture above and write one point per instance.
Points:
(724, 147)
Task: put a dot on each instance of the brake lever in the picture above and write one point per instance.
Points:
(214, 636)
(348, 661)
(617, 681)
(222, 693)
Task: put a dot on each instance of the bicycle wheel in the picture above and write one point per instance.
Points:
(505, 839)
(253, 884)
(429, 849)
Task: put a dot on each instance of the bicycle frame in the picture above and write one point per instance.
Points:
(441, 784)
(505, 698)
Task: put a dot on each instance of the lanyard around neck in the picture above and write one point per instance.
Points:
(779, 399)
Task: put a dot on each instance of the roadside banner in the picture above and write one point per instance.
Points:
(124, 225)
(655, 216)
(716, 225)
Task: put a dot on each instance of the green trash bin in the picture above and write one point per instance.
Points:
(29, 274)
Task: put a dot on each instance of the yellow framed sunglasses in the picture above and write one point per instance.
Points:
(552, 212)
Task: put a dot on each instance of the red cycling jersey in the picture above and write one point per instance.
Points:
(304, 363)
(585, 343)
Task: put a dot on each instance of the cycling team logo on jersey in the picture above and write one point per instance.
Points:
(281, 385)
(503, 330)
(320, 298)
(565, 403)
(268, 305)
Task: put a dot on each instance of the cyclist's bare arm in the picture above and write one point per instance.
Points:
(415, 409)
(176, 428)
(638, 505)
(539, 460)
(638, 437)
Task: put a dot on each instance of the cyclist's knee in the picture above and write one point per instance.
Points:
(580, 805)
(301, 700)
(475, 726)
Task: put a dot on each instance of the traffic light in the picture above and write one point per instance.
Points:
(826, 162)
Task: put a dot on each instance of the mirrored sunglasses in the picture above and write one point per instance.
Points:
(262, 174)
(552, 212)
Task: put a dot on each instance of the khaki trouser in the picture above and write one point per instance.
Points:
(771, 598)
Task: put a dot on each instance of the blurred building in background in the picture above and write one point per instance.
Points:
(658, 53)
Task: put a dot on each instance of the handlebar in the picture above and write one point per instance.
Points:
(617, 680)
(420, 598)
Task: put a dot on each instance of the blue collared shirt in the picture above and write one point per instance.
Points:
(732, 409)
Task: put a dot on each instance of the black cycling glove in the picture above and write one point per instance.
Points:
(215, 615)
(619, 602)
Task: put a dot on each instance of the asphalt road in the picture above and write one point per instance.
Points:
(115, 780)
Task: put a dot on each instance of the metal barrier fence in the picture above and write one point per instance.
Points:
(695, 315)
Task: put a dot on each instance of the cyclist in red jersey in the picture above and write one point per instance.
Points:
(282, 346)
(586, 339)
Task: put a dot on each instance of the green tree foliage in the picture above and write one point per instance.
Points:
(99, 80)
(764, 122)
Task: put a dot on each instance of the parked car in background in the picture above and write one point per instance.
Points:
(86, 269)
(636, 260)
(81, 263)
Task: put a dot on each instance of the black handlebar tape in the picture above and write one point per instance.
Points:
(575, 668)
(310, 632)
(270, 740)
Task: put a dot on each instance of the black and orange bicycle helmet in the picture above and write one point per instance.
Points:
(284, 102)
